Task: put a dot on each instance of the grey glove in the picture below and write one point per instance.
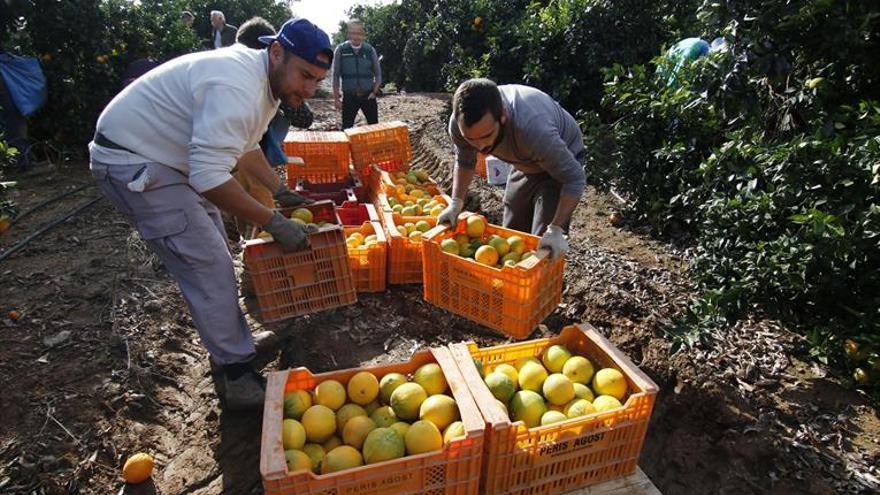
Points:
(287, 198)
(291, 235)
(554, 241)
(449, 216)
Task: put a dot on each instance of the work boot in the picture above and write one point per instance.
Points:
(243, 388)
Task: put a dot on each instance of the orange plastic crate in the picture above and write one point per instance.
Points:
(511, 300)
(564, 456)
(368, 263)
(385, 144)
(325, 156)
(382, 182)
(302, 282)
(455, 470)
(404, 254)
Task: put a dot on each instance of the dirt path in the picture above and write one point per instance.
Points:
(105, 362)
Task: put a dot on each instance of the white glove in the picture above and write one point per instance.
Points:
(449, 216)
(554, 241)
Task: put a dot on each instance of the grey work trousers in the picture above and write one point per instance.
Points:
(530, 202)
(186, 231)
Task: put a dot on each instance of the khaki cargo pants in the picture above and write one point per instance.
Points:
(186, 231)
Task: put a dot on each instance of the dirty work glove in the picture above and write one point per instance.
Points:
(291, 235)
(554, 241)
(449, 216)
(287, 198)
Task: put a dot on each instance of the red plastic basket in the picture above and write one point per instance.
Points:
(561, 457)
(455, 470)
(510, 300)
(293, 284)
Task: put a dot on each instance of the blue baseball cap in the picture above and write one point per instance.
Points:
(303, 39)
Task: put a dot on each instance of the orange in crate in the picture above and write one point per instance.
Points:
(511, 299)
(404, 253)
(368, 263)
(385, 144)
(451, 471)
(297, 283)
(325, 156)
(564, 456)
(382, 204)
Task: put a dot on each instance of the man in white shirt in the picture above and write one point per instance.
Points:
(163, 152)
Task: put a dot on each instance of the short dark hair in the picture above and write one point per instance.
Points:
(474, 98)
(250, 32)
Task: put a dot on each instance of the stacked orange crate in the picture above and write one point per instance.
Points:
(386, 145)
(453, 470)
(511, 299)
(563, 456)
(318, 157)
(297, 283)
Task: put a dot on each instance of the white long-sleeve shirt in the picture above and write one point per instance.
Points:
(198, 113)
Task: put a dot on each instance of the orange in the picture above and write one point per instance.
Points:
(486, 255)
(138, 468)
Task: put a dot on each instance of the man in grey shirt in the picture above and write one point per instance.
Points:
(528, 129)
(356, 63)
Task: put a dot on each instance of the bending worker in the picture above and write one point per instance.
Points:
(163, 152)
(528, 129)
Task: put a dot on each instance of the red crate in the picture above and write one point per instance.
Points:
(511, 300)
(314, 190)
(455, 470)
(354, 213)
(368, 263)
(385, 144)
(564, 456)
(293, 284)
(325, 154)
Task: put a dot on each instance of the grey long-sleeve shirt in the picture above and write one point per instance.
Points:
(539, 136)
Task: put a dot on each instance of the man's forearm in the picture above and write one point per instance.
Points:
(461, 182)
(565, 209)
(231, 198)
(255, 164)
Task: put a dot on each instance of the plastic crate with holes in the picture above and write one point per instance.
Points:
(317, 156)
(511, 299)
(350, 188)
(405, 250)
(480, 167)
(570, 454)
(284, 284)
(452, 470)
(385, 144)
(407, 185)
(388, 203)
(367, 255)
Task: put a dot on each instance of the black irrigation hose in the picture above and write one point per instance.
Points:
(51, 200)
(9, 252)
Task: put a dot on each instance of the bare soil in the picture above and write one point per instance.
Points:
(105, 362)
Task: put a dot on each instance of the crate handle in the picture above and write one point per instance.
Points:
(430, 234)
(468, 409)
(272, 462)
(638, 376)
